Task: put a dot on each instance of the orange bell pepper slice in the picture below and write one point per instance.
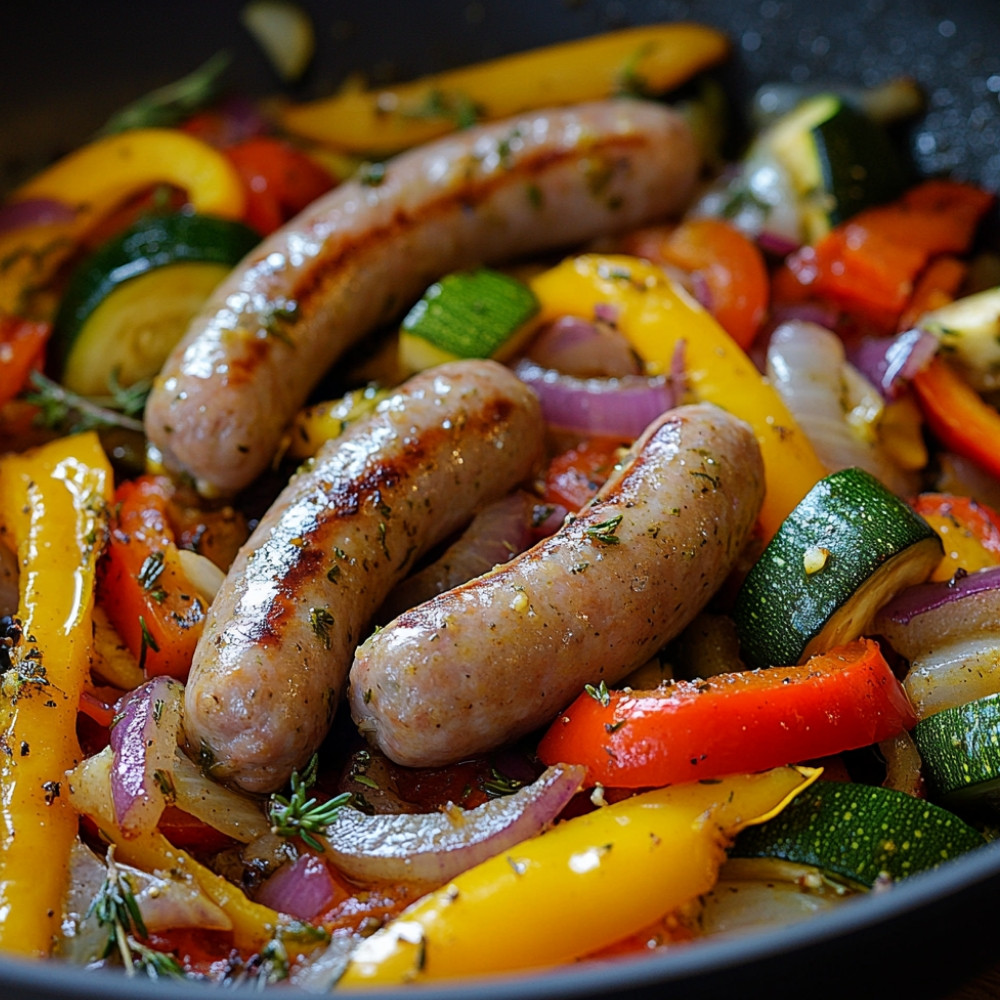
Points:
(142, 585)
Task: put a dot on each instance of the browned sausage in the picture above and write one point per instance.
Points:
(269, 670)
(494, 659)
(361, 254)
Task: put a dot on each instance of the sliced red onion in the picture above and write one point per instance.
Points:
(586, 349)
(950, 632)
(143, 744)
(889, 362)
(495, 535)
(303, 888)
(918, 601)
(615, 407)
(435, 847)
(170, 903)
(33, 212)
(777, 244)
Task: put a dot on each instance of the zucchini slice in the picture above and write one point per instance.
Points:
(968, 331)
(468, 314)
(847, 548)
(840, 161)
(128, 304)
(960, 748)
(861, 833)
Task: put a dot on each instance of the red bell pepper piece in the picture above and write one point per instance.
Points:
(730, 265)
(280, 180)
(868, 266)
(22, 346)
(732, 723)
(142, 585)
(959, 417)
(574, 476)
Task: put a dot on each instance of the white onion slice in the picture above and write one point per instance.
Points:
(831, 401)
(950, 633)
(435, 847)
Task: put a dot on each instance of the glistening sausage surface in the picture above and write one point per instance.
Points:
(361, 254)
(492, 660)
(269, 670)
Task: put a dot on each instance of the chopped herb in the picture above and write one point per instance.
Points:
(363, 779)
(371, 174)
(149, 573)
(299, 816)
(147, 643)
(276, 317)
(600, 694)
(321, 621)
(381, 539)
(456, 107)
(605, 531)
(499, 784)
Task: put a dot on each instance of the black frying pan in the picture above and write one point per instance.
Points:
(65, 66)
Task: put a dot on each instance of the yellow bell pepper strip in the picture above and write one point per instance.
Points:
(254, 925)
(100, 175)
(656, 315)
(585, 883)
(648, 60)
(52, 507)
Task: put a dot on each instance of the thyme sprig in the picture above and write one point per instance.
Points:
(70, 413)
(302, 815)
(605, 531)
(115, 908)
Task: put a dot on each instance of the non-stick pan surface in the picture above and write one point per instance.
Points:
(65, 66)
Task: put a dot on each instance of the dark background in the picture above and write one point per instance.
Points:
(65, 66)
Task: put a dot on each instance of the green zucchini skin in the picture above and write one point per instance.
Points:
(859, 163)
(153, 242)
(873, 544)
(861, 833)
(960, 749)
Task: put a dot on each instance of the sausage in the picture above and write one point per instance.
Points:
(492, 660)
(269, 670)
(358, 256)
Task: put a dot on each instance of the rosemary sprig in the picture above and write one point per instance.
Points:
(299, 816)
(172, 103)
(605, 531)
(68, 412)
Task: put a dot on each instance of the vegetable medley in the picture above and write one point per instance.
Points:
(834, 656)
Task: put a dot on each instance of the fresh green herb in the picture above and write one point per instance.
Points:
(299, 816)
(147, 643)
(381, 539)
(321, 621)
(149, 573)
(605, 531)
(171, 104)
(630, 82)
(67, 412)
(276, 317)
(371, 174)
(457, 108)
(363, 779)
(499, 784)
(600, 694)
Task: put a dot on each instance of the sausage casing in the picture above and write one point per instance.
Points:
(492, 660)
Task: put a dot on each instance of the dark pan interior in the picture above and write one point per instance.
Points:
(65, 66)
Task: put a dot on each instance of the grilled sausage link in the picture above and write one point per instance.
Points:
(490, 661)
(358, 256)
(269, 670)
